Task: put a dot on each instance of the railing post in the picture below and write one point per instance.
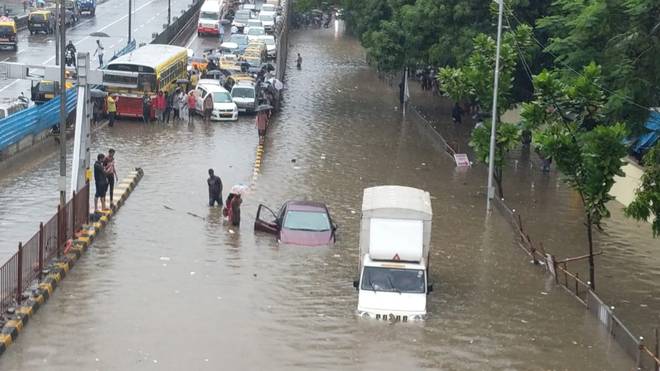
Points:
(59, 230)
(577, 276)
(41, 250)
(639, 352)
(73, 211)
(657, 352)
(19, 274)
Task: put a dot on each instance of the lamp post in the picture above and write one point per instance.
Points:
(130, 14)
(493, 126)
(169, 12)
(62, 37)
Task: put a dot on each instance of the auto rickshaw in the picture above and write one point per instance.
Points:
(45, 90)
(41, 21)
(8, 33)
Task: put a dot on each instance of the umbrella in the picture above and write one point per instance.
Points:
(97, 93)
(264, 107)
(239, 189)
(182, 81)
(268, 66)
(99, 34)
(276, 83)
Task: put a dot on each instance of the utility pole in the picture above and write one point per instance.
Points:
(62, 36)
(493, 125)
(130, 15)
(57, 33)
(169, 11)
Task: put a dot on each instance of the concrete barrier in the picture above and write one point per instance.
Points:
(180, 27)
(37, 295)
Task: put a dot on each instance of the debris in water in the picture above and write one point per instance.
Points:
(423, 163)
(155, 361)
(643, 305)
(231, 231)
(337, 256)
(296, 168)
(254, 274)
(352, 211)
(192, 273)
(574, 342)
(523, 321)
(97, 359)
(544, 293)
(165, 258)
(293, 160)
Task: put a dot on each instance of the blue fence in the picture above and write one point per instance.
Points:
(34, 120)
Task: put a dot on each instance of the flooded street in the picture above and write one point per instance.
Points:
(173, 288)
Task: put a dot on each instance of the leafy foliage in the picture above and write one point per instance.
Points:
(572, 129)
(508, 138)
(474, 80)
(646, 204)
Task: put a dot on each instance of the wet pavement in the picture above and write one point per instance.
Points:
(173, 288)
(111, 18)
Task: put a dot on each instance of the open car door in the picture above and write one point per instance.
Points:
(264, 226)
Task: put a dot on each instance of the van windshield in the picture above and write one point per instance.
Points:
(393, 280)
(239, 92)
(209, 15)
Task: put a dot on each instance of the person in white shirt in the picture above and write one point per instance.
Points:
(99, 52)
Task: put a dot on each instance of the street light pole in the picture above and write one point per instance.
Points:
(62, 35)
(169, 11)
(130, 15)
(493, 126)
(57, 34)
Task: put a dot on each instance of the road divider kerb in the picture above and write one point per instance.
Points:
(56, 271)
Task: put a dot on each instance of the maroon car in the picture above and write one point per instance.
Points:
(305, 223)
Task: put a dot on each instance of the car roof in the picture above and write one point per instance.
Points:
(305, 206)
(214, 88)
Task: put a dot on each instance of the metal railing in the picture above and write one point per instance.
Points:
(27, 264)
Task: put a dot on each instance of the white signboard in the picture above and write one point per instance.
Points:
(462, 160)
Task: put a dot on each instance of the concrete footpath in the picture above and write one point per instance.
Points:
(38, 295)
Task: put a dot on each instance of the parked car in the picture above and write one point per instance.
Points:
(240, 40)
(244, 94)
(8, 33)
(268, 21)
(253, 23)
(254, 33)
(241, 19)
(271, 48)
(305, 223)
(41, 21)
(87, 6)
(224, 108)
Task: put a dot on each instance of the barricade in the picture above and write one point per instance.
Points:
(33, 121)
(26, 266)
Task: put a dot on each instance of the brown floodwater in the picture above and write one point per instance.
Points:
(163, 289)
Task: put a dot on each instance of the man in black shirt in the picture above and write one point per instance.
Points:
(215, 189)
(101, 180)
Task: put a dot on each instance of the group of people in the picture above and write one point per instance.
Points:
(105, 174)
(176, 105)
(232, 205)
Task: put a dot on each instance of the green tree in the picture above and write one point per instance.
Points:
(646, 204)
(621, 36)
(473, 82)
(571, 128)
(508, 138)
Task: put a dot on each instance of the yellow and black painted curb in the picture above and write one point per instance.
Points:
(257, 165)
(57, 270)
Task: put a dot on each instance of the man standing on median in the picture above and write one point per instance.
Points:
(101, 181)
(215, 189)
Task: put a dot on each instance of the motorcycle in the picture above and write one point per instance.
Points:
(69, 58)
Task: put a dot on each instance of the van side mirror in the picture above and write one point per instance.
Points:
(429, 288)
(356, 284)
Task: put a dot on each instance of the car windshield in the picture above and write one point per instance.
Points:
(254, 23)
(306, 221)
(238, 92)
(37, 18)
(256, 31)
(221, 97)
(209, 15)
(243, 15)
(46, 87)
(393, 280)
(266, 18)
(239, 39)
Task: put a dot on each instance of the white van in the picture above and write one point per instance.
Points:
(209, 18)
(224, 108)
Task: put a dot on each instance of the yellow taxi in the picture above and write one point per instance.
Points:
(8, 33)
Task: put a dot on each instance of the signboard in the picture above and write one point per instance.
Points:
(462, 160)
